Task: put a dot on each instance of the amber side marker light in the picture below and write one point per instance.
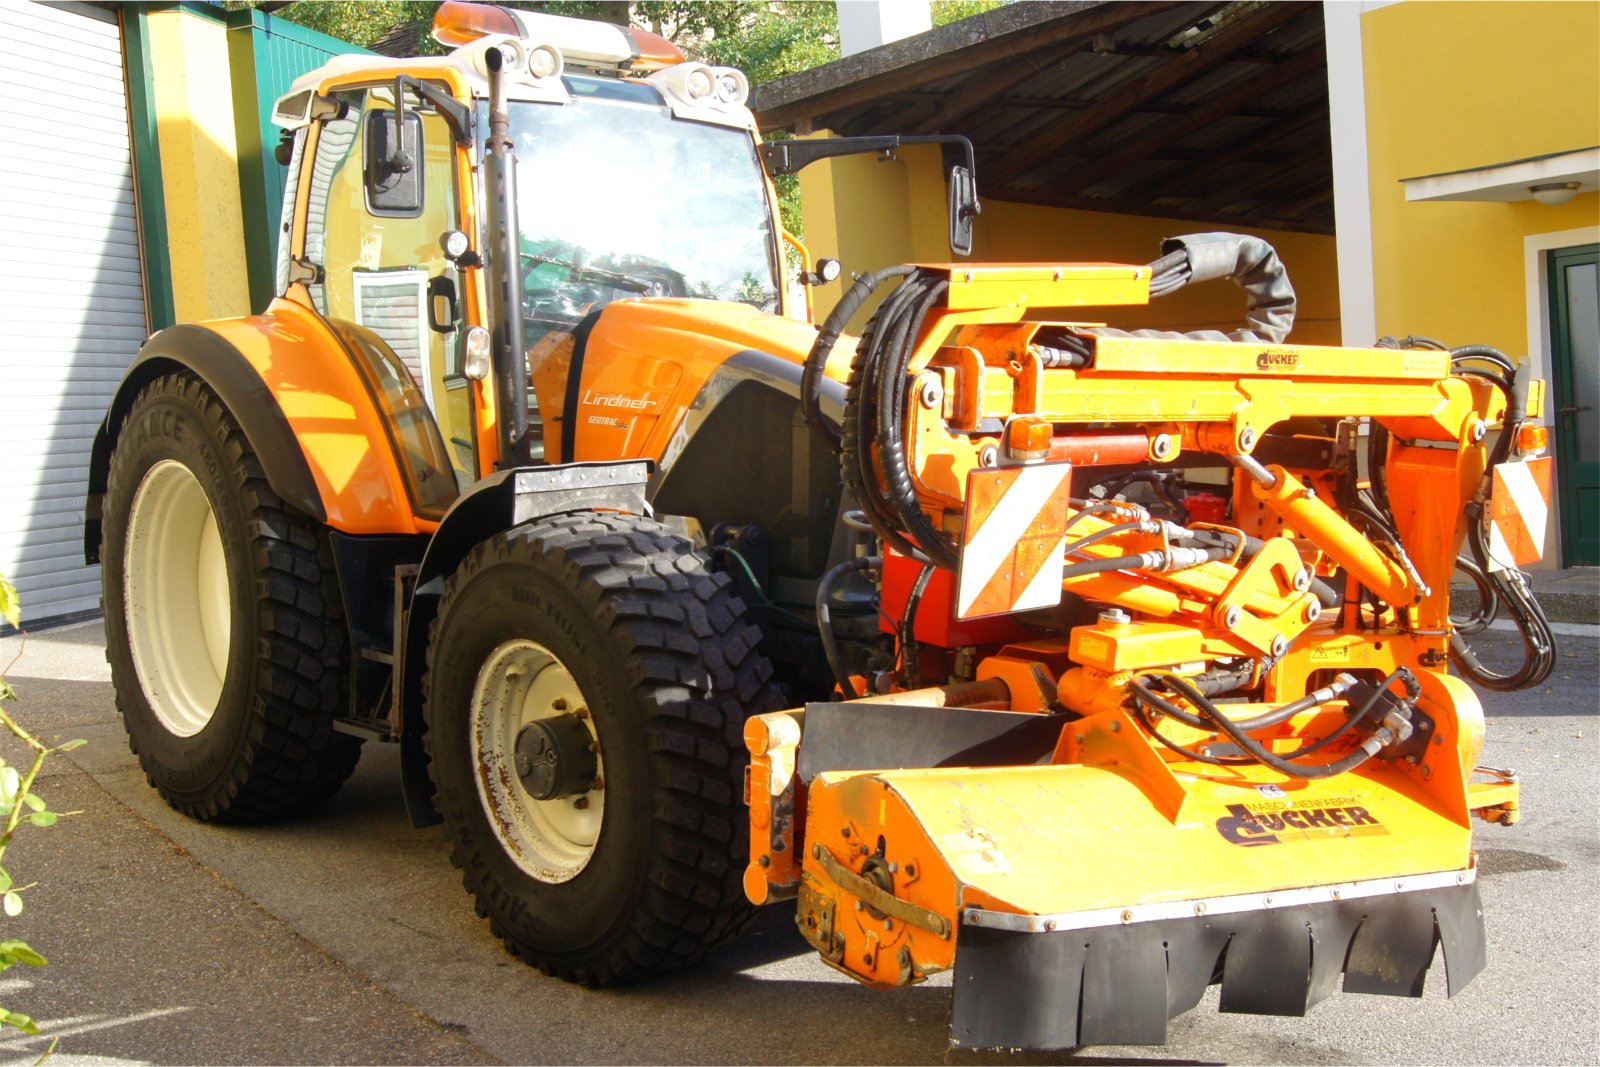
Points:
(1029, 438)
(1532, 439)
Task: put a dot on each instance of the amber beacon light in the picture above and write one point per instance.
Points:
(582, 43)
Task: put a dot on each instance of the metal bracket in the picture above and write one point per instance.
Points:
(879, 898)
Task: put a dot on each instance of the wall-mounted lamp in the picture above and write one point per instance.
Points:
(1553, 193)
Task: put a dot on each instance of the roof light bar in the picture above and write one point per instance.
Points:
(581, 43)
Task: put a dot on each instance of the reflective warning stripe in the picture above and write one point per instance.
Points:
(1014, 542)
(1519, 511)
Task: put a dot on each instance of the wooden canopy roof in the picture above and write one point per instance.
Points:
(1216, 112)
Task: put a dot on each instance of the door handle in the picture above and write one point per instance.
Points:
(1573, 409)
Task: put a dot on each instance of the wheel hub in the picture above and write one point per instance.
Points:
(540, 766)
(555, 757)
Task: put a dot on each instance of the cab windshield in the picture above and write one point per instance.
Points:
(616, 198)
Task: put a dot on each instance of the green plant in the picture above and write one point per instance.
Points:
(19, 804)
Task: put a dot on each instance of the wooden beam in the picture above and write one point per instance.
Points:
(1229, 154)
(963, 104)
(1212, 158)
(1148, 210)
(1318, 163)
(1307, 204)
(1176, 128)
(1074, 22)
(1124, 100)
(1045, 104)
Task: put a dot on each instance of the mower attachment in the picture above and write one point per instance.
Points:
(1088, 901)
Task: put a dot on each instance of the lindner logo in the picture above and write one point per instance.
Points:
(1277, 360)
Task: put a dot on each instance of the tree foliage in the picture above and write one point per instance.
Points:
(764, 39)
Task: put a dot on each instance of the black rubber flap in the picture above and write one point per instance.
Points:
(1124, 989)
(1268, 967)
(1016, 990)
(1120, 984)
(861, 736)
(1393, 947)
(1460, 919)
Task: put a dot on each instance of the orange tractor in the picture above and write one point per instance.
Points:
(1098, 666)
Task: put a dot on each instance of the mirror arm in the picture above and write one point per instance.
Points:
(788, 157)
(456, 115)
(399, 162)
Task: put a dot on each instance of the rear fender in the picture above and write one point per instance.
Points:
(327, 443)
(491, 507)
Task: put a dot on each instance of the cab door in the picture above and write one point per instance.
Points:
(380, 204)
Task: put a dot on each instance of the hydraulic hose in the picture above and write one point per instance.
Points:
(908, 628)
(1248, 261)
(822, 348)
(830, 646)
(874, 409)
(1369, 748)
(1147, 561)
(1314, 699)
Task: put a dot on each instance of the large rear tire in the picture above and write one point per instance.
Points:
(604, 646)
(224, 626)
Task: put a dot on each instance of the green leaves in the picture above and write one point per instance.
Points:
(14, 952)
(18, 801)
(16, 1019)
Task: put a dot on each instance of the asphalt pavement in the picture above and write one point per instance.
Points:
(346, 937)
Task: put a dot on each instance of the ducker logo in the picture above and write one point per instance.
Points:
(1241, 826)
(1278, 360)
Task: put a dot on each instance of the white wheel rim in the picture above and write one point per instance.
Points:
(176, 598)
(551, 840)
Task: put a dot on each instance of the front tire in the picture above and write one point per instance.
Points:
(224, 626)
(605, 646)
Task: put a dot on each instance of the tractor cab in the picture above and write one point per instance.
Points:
(637, 175)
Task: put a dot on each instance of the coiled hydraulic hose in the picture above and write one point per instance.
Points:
(874, 413)
(1504, 589)
(828, 336)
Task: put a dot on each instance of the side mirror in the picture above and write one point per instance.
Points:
(963, 209)
(283, 151)
(394, 178)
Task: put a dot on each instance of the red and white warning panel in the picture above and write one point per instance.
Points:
(1015, 541)
(1519, 510)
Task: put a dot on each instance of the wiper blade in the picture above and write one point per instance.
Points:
(611, 278)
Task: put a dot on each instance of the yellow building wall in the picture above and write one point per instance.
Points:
(1451, 86)
(870, 213)
(199, 165)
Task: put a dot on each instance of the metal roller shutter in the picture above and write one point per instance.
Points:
(69, 278)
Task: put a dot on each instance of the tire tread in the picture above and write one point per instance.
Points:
(294, 760)
(676, 624)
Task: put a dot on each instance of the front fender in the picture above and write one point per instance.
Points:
(327, 443)
(491, 507)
